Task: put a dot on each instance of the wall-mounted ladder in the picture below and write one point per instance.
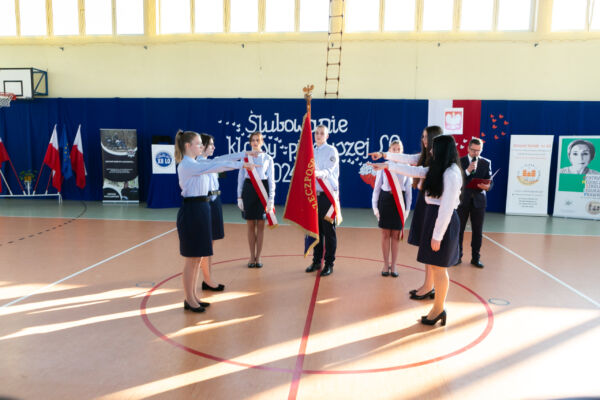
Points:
(334, 48)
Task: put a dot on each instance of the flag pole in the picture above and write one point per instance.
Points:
(6, 182)
(17, 176)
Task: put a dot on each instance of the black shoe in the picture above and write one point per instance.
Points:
(386, 272)
(430, 294)
(328, 270)
(442, 317)
(313, 267)
(459, 261)
(186, 305)
(393, 274)
(258, 265)
(413, 292)
(219, 288)
(477, 263)
(251, 265)
(200, 309)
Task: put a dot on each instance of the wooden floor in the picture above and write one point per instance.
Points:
(92, 309)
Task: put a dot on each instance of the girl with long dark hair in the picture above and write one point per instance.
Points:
(438, 244)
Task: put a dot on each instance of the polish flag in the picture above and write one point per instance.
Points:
(52, 160)
(461, 118)
(77, 160)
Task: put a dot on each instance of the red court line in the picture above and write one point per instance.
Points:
(302, 352)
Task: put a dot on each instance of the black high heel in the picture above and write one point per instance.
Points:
(386, 272)
(200, 309)
(441, 316)
(219, 288)
(430, 294)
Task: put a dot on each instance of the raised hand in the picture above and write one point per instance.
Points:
(377, 155)
(378, 166)
(249, 166)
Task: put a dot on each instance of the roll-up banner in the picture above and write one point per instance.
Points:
(529, 174)
(119, 165)
(578, 178)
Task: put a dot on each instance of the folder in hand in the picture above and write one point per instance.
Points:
(476, 181)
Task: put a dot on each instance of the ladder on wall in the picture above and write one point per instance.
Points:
(334, 48)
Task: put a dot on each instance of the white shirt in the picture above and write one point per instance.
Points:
(193, 174)
(327, 162)
(265, 171)
(449, 199)
(382, 183)
(403, 158)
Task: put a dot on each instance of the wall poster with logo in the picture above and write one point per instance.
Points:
(119, 165)
(529, 174)
(578, 178)
(163, 159)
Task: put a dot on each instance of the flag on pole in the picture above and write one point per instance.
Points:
(77, 159)
(301, 205)
(3, 157)
(52, 160)
(67, 172)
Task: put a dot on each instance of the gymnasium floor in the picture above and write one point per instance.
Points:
(91, 308)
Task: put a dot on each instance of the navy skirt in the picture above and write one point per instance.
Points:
(449, 252)
(194, 228)
(216, 216)
(414, 235)
(389, 217)
(253, 208)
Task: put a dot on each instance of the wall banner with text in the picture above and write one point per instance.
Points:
(529, 174)
(578, 178)
(119, 165)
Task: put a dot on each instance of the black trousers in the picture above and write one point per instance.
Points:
(326, 234)
(476, 214)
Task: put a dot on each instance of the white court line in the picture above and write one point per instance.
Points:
(571, 288)
(85, 269)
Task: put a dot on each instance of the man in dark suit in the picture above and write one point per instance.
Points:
(473, 201)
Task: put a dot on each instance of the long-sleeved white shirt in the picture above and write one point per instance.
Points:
(382, 183)
(265, 171)
(193, 174)
(449, 199)
(327, 162)
(403, 158)
(213, 178)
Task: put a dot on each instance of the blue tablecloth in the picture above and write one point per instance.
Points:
(164, 191)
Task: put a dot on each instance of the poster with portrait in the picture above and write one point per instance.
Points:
(119, 165)
(529, 174)
(578, 178)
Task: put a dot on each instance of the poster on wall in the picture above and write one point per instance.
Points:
(529, 174)
(578, 178)
(163, 159)
(119, 165)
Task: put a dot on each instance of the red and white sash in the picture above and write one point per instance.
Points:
(261, 192)
(398, 197)
(335, 212)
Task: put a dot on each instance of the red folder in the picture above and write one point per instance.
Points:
(476, 181)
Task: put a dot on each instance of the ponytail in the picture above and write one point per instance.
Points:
(181, 138)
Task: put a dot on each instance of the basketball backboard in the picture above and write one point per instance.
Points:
(25, 83)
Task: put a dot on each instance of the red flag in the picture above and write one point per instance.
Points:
(301, 205)
(77, 160)
(52, 160)
(3, 157)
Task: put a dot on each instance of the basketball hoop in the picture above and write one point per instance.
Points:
(6, 98)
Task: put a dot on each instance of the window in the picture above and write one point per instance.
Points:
(595, 17)
(8, 19)
(244, 16)
(280, 15)
(174, 16)
(33, 17)
(514, 15)
(130, 17)
(569, 15)
(98, 17)
(477, 15)
(438, 15)
(314, 15)
(208, 16)
(65, 17)
(399, 15)
(362, 15)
